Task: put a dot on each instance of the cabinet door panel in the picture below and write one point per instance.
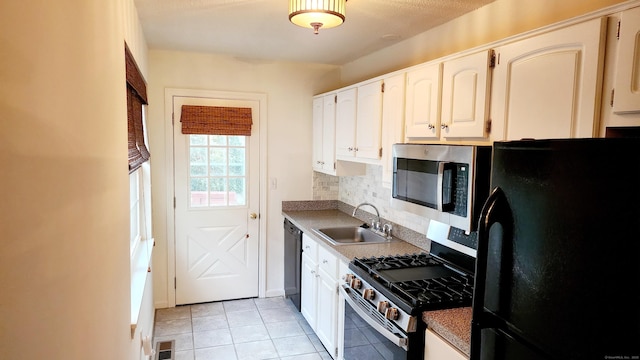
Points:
(317, 133)
(627, 80)
(529, 75)
(548, 86)
(346, 123)
(435, 348)
(392, 123)
(308, 291)
(329, 134)
(327, 312)
(465, 89)
(369, 120)
(422, 111)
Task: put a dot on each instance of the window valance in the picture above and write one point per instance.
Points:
(216, 120)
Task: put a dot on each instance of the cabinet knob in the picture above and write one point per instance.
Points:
(431, 126)
(355, 149)
(444, 126)
(350, 148)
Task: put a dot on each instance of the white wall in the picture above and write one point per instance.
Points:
(289, 88)
(64, 223)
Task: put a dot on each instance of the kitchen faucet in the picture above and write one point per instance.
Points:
(375, 224)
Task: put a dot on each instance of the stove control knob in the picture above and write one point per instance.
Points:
(382, 306)
(368, 294)
(355, 283)
(347, 278)
(391, 314)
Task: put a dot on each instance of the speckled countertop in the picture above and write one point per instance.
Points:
(453, 325)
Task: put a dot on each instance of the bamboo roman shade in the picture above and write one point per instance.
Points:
(216, 120)
(136, 97)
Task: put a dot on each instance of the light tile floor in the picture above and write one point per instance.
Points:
(270, 328)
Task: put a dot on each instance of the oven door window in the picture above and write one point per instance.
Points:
(361, 341)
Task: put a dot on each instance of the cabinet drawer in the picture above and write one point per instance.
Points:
(328, 262)
(309, 247)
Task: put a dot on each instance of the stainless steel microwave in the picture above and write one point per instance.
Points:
(447, 183)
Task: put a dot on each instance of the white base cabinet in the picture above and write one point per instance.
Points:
(319, 293)
(436, 348)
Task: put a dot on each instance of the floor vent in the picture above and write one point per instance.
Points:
(165, 350)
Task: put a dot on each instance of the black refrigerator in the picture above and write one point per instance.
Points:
(558, 261)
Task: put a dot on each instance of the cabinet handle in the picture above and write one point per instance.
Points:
(444, 126)
(325, 261)
(350, 148)
(355, 149)
(431, 126)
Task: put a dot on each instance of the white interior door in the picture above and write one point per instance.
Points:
(216, 206)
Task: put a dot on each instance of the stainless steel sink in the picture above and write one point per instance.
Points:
(350, 235)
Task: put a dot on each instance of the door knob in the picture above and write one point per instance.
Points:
(253, 216)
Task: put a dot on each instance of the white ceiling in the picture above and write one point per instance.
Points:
(259, 30)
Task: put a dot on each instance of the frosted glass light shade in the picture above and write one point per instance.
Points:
(315, 14)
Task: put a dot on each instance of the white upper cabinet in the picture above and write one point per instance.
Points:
(548, 86)
(369, 121)
(324, 139)
(627, 78)
(318, 136)
(346, 123)
(465, 96)
(422, 106)
(392, 122)
(358, 123)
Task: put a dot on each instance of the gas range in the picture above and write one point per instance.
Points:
(386, 295)
(416, 282)
(400, 287)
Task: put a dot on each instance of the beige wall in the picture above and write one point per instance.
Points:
(289, 88)
(493, 22)
(64, 223)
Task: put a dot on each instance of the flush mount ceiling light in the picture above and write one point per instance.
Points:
(316, 14)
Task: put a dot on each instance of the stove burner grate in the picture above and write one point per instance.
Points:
(396, 262)
(430, 293)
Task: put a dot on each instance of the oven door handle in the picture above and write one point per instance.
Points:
(398, 341)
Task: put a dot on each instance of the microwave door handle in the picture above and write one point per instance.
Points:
(440, 185)
(395, 339)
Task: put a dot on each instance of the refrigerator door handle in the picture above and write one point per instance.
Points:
(496, 210)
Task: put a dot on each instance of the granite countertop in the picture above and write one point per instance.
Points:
(453, 325)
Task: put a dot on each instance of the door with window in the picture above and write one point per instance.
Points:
(216, 206)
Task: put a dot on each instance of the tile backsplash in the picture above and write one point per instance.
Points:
(354, 190)
(325, 187)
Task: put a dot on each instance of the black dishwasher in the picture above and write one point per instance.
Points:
(292, 260)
